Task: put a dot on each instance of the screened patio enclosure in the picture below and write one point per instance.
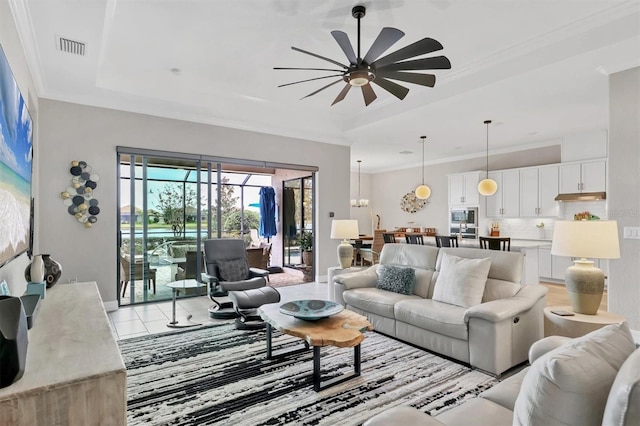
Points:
(168, 205)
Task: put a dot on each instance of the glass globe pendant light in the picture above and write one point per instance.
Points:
(423, 191)
(487, 186)
(359, 202)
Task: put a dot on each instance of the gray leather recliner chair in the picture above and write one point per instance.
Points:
(227, 273)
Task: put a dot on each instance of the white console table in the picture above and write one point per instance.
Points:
(74, 372)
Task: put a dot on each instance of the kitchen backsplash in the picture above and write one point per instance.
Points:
(526, 228)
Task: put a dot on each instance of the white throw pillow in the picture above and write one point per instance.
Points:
(570, 385)
(461, 281)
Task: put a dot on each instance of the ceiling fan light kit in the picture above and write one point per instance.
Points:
(423, 191)
(362, 71)
(487, 186)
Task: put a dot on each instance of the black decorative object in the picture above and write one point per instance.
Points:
(53, 271)
(13, 340)
(79, 196)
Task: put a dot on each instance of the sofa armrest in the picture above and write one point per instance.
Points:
(402, 415)
(545, 345)
(501, 309)
(366, 278)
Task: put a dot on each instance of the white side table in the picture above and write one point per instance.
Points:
(337, 270)
(181, 285)
(576, 325)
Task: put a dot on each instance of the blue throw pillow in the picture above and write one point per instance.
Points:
(396, 279)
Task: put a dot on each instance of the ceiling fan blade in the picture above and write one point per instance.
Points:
(395, 89)
(369, 94)
(310, 79)
(342, 94)
(320, 57)
(410, 77)
(322, 88)
(307, 69)
(435, 63)
(387, 38)
(420, 47)
(343, 41)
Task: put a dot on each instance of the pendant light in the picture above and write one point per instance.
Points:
(359, 202)
(487, 186)
(423, 191)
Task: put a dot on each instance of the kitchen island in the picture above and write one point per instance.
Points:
(528, 248)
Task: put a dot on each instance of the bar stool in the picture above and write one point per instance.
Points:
(496, 243)
(446, 241)
(389, 237)
(414, 239)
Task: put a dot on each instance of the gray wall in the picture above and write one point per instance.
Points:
(76, 132)
(624, 191)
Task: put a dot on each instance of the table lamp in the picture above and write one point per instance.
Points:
(344, 229)
(585, 239)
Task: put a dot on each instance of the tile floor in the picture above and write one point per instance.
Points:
(132, 321)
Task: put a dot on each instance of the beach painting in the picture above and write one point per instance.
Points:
(16, 149)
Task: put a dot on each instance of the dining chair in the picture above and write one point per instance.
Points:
(414, 239)
(371, 254)
(496, 243)
(446, 241)
(389, 237)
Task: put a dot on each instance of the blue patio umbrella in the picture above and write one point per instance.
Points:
(268, 212)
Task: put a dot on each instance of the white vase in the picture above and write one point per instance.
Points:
(37, 269)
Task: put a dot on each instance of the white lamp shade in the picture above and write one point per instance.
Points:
(596, 239)
(344, 229)
(487, 187)
(423, 192)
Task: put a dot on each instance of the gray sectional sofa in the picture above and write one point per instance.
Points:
(492, 333)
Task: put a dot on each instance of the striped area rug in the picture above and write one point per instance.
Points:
(219, 375)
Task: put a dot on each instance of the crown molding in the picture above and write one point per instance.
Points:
(26, 34)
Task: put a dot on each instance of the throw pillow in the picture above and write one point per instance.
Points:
(233, 270)
(461, 281)
(396, 279)
(570, 384)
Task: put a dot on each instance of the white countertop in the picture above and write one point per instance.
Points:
(516, 244)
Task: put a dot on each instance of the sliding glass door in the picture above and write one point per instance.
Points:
(167, 207)
(297, 207)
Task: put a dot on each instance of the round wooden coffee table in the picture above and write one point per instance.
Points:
(343, 330)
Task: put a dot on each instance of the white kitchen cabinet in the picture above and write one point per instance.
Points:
(506, 201)
(463, 189)
(559, 265)
(544, 262)
(538, 189)
(554, 267)
(587, 176)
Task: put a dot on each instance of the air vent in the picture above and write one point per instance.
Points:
(71, 46)
(405, 152)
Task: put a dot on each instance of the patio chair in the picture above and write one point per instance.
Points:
(140, 271)
(228, 274)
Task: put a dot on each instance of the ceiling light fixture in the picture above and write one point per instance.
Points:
(383, 71)
(487, 186)
(359, 202)
(423, 191)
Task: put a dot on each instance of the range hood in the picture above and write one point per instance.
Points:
(582, 196)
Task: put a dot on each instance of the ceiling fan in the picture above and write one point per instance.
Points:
(372, 69)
